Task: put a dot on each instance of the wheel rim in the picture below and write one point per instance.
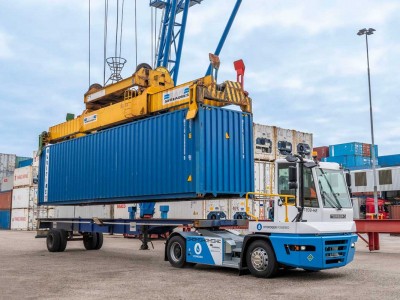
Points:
(259, 259)
(176, 252)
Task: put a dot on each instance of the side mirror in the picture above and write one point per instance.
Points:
(348, 179)
(292, 174)
(292, 178)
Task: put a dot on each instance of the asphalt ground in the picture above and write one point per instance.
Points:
(120, 270)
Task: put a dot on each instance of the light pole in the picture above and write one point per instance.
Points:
(368, 32)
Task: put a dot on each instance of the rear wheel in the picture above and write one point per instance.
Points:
(261, 261)
(53, 240)
(63, 240)
(176, 251)
(90, 241)
(100, 240)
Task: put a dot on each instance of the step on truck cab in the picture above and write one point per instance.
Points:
(309, 225)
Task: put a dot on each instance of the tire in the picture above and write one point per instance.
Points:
(260, 259)
(176, 251)
(100, 240)
(63, 240)
(53, 240)
(90, 241)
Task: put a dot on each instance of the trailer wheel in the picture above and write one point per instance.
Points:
(100, 240)
(90, 241)
(53, 240)
(176, 251)
(63, 240)
(261, 261)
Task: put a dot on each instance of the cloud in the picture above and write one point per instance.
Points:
(6, 51)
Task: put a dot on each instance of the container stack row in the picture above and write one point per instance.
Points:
(389, 160)
(25, 209)
(271, 142)
(353, 156)
(7, 166)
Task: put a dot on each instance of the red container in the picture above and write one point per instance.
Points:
(322, 152)
(366, 149)
(5, 200)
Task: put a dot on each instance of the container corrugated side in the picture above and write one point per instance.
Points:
(25, 197)
(7, 183)
(322, 152)
(24, 176)
(162, 157)
(23, 219)
(5, 217)
(5, 200)
(389, 160)
(7, 165)
(353, 148)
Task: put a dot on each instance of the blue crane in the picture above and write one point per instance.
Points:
(172, 32)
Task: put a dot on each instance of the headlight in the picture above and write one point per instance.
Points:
(353, 245)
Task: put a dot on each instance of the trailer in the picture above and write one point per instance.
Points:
(311, 227)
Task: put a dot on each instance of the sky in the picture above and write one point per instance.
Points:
(306, 68)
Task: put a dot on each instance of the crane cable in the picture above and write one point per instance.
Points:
(105, 40)
(116, 30)
(89, 43)
(122, 21)
(151, 37)
(136, 47)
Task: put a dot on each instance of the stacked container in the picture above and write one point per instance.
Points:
(5, 209)
(7, 166)
(352, 156)
(24, 200)
(322, 152)
(389, 160)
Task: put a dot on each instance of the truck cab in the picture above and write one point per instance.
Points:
(326, 193)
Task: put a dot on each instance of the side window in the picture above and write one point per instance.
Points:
(385, 177)
(283, 180)
(360, 178)
(310, 194)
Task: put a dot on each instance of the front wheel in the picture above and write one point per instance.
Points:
(261, 261)
(176, 251)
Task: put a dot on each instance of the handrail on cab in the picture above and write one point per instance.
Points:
(286, 203)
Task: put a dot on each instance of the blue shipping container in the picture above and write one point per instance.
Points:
(389, 160)
(346, 149)
(5, 217)
(25, 163)
(351, 161)
(158, 158)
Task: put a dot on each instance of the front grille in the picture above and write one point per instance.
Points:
(335, 251)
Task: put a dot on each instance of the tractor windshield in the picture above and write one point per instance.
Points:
(333, 188)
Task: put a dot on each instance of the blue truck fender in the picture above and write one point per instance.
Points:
(183, 234)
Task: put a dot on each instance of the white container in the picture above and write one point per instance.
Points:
(24, 176)
(85, 212)
(7, 163)
(22, 219)
(217, 205)
(264, 142)
(183, 209)
(25, 197)
(7, 184)
(302, 138)
(264, 177)
(121, 211)
(284, 136)
(44, 212)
